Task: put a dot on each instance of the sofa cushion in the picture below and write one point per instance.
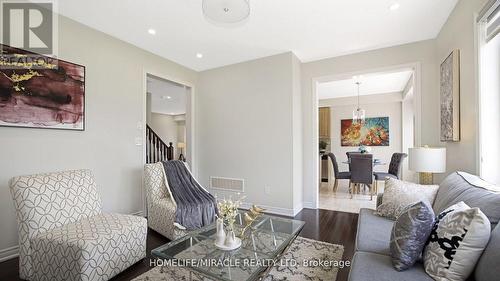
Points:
(410, 233)
(487, 268)
(376, 267)
(374, 232)
(473, 191)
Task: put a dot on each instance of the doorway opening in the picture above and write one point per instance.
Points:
(388, 101)
(167, 121)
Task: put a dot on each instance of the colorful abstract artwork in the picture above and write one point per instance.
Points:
(373, 132)
(40, 92)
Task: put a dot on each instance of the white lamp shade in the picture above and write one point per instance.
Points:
(427, 159)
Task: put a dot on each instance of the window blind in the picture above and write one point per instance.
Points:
(490, 16)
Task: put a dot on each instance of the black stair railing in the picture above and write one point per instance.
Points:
(156, 149)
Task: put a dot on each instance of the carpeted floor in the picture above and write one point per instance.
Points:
(306, 259)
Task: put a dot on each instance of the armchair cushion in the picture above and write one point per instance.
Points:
(95, 248)
(47, 201)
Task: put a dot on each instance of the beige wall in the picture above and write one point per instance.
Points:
(166, 127)
(297, 144)
(114, 107)
(459, 33)
(245, 129)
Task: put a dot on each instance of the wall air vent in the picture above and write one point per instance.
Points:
(227, 184)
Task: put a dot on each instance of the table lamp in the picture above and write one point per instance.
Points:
(181, 145)
(426, 161)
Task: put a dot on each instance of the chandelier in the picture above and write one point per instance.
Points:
(358, 115)
(226, 11)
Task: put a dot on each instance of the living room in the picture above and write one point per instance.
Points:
(250, 134)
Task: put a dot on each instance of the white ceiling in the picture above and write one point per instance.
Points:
(166, 97)
(311, 29)
(375, 83)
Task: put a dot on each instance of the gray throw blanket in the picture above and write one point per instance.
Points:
(195, 206)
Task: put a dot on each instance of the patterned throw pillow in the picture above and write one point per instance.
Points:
(457, 240)
(410, 233)
(400, 194)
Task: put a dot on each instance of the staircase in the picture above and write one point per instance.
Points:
(156, 149)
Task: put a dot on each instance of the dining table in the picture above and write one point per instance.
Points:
(376, 162)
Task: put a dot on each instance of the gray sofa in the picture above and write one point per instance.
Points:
(372, 261)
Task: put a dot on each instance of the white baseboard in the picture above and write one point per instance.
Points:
(9, 253)
(308, 205)
(297, 209)
(13, 252)
(272, 210)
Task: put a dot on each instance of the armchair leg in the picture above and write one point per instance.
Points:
(351, 188)
(371, 192)
(335, 185)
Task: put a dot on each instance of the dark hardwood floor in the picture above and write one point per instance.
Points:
(323, 225)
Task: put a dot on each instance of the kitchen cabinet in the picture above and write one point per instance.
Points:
(324, 122)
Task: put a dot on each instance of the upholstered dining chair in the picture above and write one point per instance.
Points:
(394, 169)
(338, 175)
(63, 233)
(361, 166)
(348, 154)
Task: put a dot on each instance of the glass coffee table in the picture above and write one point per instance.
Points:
(262, 246)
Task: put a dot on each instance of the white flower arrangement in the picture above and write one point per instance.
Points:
(228, 210)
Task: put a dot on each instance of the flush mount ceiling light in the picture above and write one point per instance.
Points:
(151, 31)
(199, 55)
(226, 11)
(166, 97)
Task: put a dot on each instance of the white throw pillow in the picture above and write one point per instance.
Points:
(457, 240)
(400, 194)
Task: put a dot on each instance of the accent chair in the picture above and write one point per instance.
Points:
(161, 206)
(63, 233)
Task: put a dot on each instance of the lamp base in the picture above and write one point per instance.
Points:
(182, 158)
(426, 178)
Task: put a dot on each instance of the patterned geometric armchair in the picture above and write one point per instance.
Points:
(63, 234)
(161, 207)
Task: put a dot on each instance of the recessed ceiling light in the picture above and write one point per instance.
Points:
(199, 55)
(151, 31)
(394, 7)
(166, 97)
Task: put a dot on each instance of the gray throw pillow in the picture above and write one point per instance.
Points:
(398, 195)
(410, 233)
